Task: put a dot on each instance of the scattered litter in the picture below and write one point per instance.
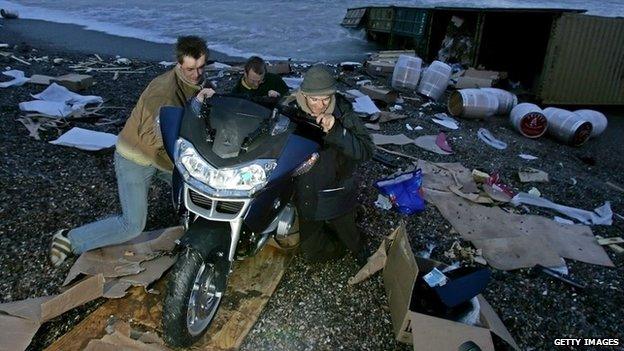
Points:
(497, 184)
(58, 61)
(479, 177)
(442, 143)
(535, 192)
(533, 175)
(376, 261)
(615, 247)
(364, 104)
(555, 274)
(355, 93)
(418, 128)
(600, 216)
(167, 63)
(527, 157)
(350, 63)
(123, 61)
(85, 139)
(615, 186)
(363, 82)
(20, 320)
(610, 241)
(510, 241)
(18, 78)
(385, 116)
(383, 202)
(404, 191)
(58, 101)
(487, 137)
(573, 181)
(427, 252)
(396, 108)
(218, 66)
(408, 127)
(562, 220)
(20, 60)
(373, 126)
(293, 82)
(34, 125)
(435, 278)
(445, 120)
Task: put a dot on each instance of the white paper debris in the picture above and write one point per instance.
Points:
(167, 63)
(601, 215)
(562, 220)
(85, 139)
(363, 82)
(383, 202)
(527, 157)
(364, 104)
(445, 120)
(418, 128)
(410, 128)
(18, 78)
(293, 82)
(350, 63)
(58, 101)
(487, 137)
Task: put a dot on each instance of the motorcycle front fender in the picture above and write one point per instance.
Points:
(212, 240)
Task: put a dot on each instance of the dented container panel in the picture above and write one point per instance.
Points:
(584, 63)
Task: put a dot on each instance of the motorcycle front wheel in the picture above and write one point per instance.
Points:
(192, 299)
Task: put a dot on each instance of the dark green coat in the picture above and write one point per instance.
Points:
(328, 190)
(271, 82)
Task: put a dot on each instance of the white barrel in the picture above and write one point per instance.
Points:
(529, 120)
(406, 72)
(506, 100)
(597, 119)
(435, 79)
(567, 127)
(472, 103)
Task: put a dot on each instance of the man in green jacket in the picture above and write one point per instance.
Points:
(257, 82)
(140, 154)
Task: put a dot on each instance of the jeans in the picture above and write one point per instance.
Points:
(133, 182)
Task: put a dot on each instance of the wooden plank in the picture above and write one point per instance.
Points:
(614, 247)
(250, 286)
(610, 241)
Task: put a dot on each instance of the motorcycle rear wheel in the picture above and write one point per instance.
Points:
(192, 299)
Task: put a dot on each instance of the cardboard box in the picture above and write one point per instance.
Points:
(379, 93)
(473, 82)
(379, 68)
(423, 331)
(282, 67)
(74, 82)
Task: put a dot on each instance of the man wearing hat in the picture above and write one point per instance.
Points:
(326, 196)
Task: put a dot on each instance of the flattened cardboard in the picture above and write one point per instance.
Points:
(379, 93)
(16, 333)
(74, 82)
(440, 176)
(475, 222)
(423, 331)
(379, 68)
(473, 82)
(124, 259)
(40, 79)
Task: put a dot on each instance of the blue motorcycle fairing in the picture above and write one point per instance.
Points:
(262, 209)
(296, 151)
(170, 118)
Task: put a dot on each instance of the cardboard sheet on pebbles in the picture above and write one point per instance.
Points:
(508, 241)
(113, 270)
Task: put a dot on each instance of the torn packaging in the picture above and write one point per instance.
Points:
(379, 93)
(113, 261)
(23, 318)
(511, 241)
(426, 332)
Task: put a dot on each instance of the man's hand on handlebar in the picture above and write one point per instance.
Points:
(205, 93)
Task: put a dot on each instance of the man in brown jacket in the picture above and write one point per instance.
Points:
(140, 154)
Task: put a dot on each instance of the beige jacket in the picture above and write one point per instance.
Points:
(140, 140)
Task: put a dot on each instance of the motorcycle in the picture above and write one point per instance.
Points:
(232, 186)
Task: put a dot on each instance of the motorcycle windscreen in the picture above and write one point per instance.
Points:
(241, 132)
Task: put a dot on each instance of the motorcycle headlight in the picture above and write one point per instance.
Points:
(250, 177)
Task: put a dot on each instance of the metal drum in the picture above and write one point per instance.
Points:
(506, 100)
(529, 120)
(472, 103)
(567, 127)
(597, 119)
